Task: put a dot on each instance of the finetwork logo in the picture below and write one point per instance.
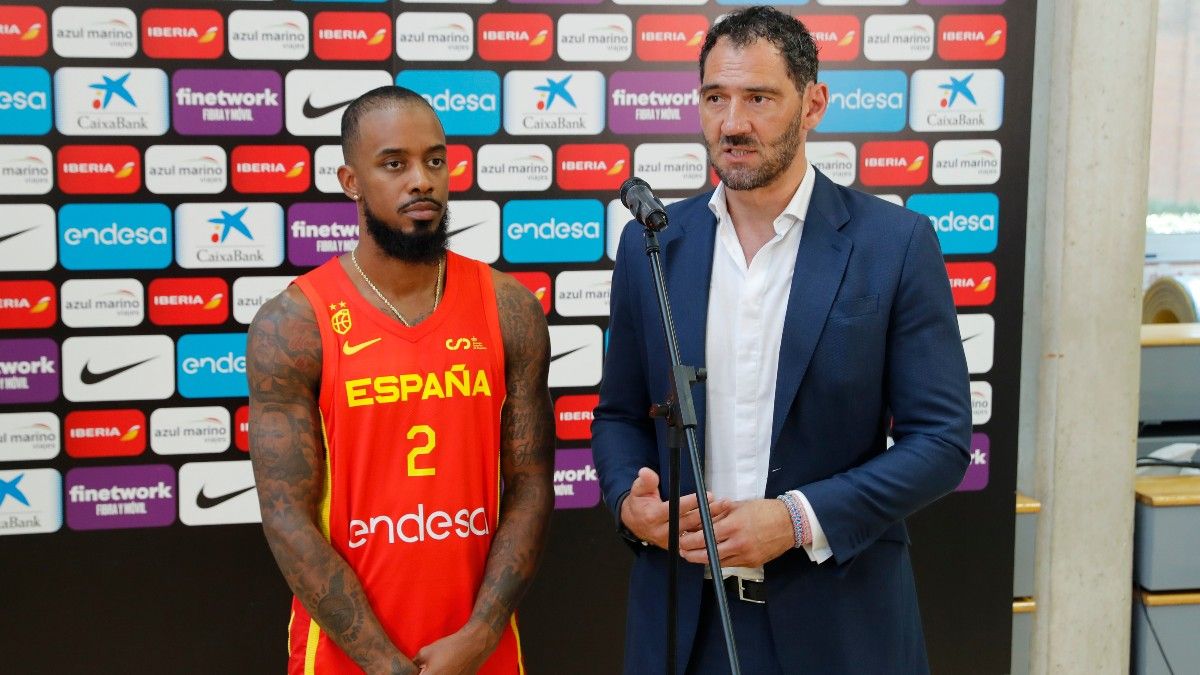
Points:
(978, 333)
(27, 238)
(105, 433)
(28, 304)
(582, 293)
(114, 236)
(29, 436)
(249, 293)
(467, 101)
(573, 416)
(976, 477)
(99, 169)
(967, 162)
(898, 37)
(102, 303)
(26, 170)
(29, 370)
(553, 103)
(272, 35)
(218, 493)
(185, 169)
(671, 166)
(110, 102)
(895, 163)
(183, 33)
(435, 36)
(318, 231)
(516, 37)
(271, 169)
(188, 301)
(865, 100)
(228, 235)
(352, 36)
(837, 35)
(30, 501)
(576, 483)
(965, 222)
(654, 102)
(558, 230)
(592, 166)
(190, 431)
(515, 168)
(575, 355)
(23, 31)
(957, 100)
(316, 99)
(227, 102)
(973, 284)
(595, 37)
(972, 37)
(212, 365)
(475, 229)
(94, 32)
(835, 159)
(24, 100)
(120, 497)
(118, 368)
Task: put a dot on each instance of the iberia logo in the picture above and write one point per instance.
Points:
(893, 163)
(340, 318)
(352, 36)
(973, 283)
(270, 168)
(538, 283)
(99, 169)
(573, 416)
(670, 37)
(28, 304)
(183, 33)
(592, 166)
(241, 428)
(23, 31)
(837, 35)
(972, 37)
(461, 165)
(105, 433)
(516, 37)
(188, 301)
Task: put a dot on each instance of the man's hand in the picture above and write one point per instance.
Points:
(647, 516)
(750, 534)
(460, 653)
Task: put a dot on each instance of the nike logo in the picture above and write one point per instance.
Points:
(350, 350)
(206, 502)
(451, 233)
(89, 376)
(972, 337)
(18, 233)
(312, 112)
(555, 357)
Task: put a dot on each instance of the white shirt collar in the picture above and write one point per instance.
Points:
(794, 212)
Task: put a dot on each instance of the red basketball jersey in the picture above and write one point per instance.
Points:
(411, 421)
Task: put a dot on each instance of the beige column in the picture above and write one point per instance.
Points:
(1099, 58)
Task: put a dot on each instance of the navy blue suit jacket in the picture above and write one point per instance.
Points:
(870, 337)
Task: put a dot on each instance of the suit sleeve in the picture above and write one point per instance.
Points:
(927, 390)
(623, 437)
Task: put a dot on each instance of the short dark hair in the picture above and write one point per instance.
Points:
(379, 97)
(747, 26)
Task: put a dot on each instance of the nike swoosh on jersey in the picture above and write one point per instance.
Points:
(312, 112)
(565, 354)
(206, 502)
(89, 376)
(10, 235)
(350, 350)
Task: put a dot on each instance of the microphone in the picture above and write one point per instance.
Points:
(641, 202)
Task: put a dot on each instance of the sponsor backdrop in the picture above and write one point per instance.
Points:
(167, 167)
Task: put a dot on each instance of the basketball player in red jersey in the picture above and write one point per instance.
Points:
(392, 391)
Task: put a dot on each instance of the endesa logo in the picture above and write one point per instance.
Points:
(466, 101)
(671, 37)
(352, 36)
(972, 37)
(592, 166)
(183, 33)
(99, 169)
(865, 100)
(271, 168)
(538, 283)
(114, 236)
(462, 167)
(28, 304)
(189, 301)
(212, 365)
(24, 100)
(23, 31)
(838, 36)
(966, 222)
(553, 230)
(516, 37)
(973, 284)
(105, 433)
(894, 163)
(573, 416)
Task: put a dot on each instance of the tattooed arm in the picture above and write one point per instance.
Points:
(283, 365)
(527, 463)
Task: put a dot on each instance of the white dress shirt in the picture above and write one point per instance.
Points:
(746, 307)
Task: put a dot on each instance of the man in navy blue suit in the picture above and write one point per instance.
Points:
(825, 320)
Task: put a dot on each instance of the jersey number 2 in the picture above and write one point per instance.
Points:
(430, 442)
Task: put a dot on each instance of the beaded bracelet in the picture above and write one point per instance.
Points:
(797, 515)
(806, 529)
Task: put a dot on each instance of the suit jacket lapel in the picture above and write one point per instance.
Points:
(820, 264)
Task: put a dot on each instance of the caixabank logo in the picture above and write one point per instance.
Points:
(110, 101)
(27, 238)
(466, 101)
(105, 433)
(99, 169)
(23, 31)
(671, 37)
(865, 100)
(118, 368)
(553, 103)
(114, 236)
(102, 303)
(188, 301)
(957, 100)
(25, 100)
(553, 230)
(28, 304)
(966, 222)
(212, 365)
(228, 235)
(94, 32)
(270, 169)
(837, 35)
(227, 102)
(26, 170)
(30, 501)
(654, 102)
(352, 36)
(435, 36)
(592, 166)
(183, 33)
(516, 37)
(595, 37)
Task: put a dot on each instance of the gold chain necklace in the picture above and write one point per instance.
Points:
(437, 292)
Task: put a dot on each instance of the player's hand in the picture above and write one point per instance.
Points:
(460, 653)
(750, 534)
(647, 516)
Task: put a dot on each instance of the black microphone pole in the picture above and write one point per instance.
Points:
(680, 412)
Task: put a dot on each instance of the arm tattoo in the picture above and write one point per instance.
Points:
(284, 369)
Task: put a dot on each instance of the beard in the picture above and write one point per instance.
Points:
(426, 245)
(776, 158)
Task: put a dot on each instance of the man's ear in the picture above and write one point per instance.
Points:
(816, 102)
(349, 181)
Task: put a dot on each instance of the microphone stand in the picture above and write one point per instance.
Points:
(680, 412)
